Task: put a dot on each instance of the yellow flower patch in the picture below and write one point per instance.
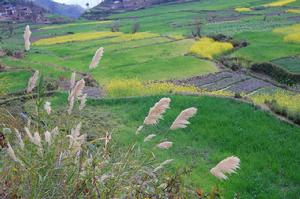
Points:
(134, 87)
(208, 48)
(135, 36)
(76, 37)
(283, 98)
(293, 11)
(291, 33)
(242, 9)
(73, 24)
(279, 3)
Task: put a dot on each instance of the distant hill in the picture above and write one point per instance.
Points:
(116, 6)
(73, 11)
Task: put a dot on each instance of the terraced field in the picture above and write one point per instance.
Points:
(165, 58)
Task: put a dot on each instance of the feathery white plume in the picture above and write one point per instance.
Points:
(97, 57)
(48, 137)
(71, 105)
(228, 165)
(73, 80)
(27, 34)
(161, 166)
(139, 130)
(47, 107)
(37, 139)
(55, 131)
(32, 82)
(149, 137)
(165, 145)
(76, 140)
(182, 119)
(82, 102)
(11, 153)
(20, 140)
(77, 90)
(29, 135)
(156, 112)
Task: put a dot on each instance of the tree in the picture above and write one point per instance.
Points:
(196, 31)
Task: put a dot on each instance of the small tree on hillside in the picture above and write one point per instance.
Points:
(135, 27)
(196, 31)
(115, 26)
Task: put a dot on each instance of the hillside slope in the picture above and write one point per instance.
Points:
(73, 11)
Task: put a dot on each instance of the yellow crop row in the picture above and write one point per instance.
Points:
(291, 33)
(118, 37)
(208, 48)
(283, 98)
(76, 37)
(279, 3)
(134, 87)
(242, 9)
(294, 11)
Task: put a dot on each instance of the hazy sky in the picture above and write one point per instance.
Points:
(80, 2)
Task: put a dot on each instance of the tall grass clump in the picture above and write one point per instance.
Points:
(43, 160)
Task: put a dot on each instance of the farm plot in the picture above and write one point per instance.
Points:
(234, 82)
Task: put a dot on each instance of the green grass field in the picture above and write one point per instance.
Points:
(267, 147)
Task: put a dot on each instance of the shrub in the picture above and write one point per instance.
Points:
(135, 27)
(208, 48)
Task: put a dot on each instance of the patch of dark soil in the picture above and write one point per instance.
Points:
(249, 85)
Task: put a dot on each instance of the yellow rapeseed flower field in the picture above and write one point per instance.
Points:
(294, 11)
(283, 98)
(279, 3)
(134, 87)
(292, 33)
(76, 37)
(242, 9)
(208, 48)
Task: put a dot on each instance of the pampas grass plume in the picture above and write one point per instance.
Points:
(149, 137)
(165, 145)
(97, 57)
(156, 112)
(182, 119)
(27, 34)
(32, 82)
(228, 165)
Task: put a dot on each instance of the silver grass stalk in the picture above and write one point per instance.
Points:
(54, 132)
(165, 145)
(182, 119)
(83, 100)
(11, 152)
(138, 131)
(73, 80)
(27, 34)
(48, 137)
(32, 82)
(77, 90)
(156, 112)
(29, 134)
(47, 107)
(20, 140)
(228, 165)
(149, 137)
(71, 105)
(97, 57)
(162, 165)
(37, 139)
